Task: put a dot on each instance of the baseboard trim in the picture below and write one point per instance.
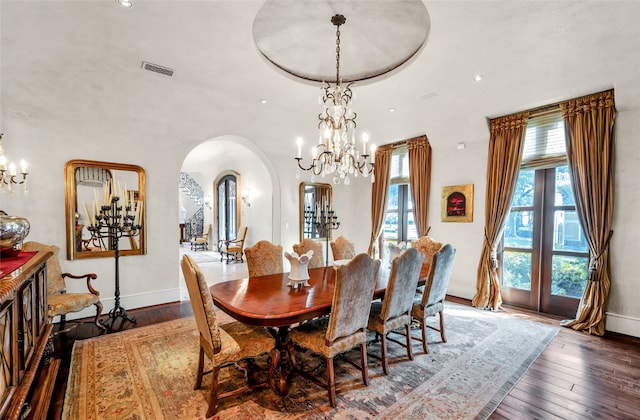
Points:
(622, 324)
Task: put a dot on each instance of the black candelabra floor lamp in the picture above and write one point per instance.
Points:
(114, 221)
(322, 221)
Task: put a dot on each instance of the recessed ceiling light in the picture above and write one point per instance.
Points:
(125, 3)
(392, 110)
(477, 77)
(263, 101)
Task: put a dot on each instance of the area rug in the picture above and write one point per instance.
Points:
(149, 373)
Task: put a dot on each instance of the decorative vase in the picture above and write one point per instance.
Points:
(13, 230)
(299, 274)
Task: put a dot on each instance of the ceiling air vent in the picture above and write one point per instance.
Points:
(158, 69)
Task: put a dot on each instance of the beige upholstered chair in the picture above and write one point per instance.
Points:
(428, 246)
(233, 249)
(264, 258)
(395, 310)
(201, 241)
(59, 302)
(309, 244)
(224, 345)
(431, 301)
(342, 249)
(346, 326)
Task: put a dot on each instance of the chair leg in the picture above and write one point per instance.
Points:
(424, 336)
(407, 330)
(63, 319)
(214, 391)
(331, 382)
(200, 369)
(273, 363)
(363, 361)
(444, 339)
(383, 348)
(98, 306)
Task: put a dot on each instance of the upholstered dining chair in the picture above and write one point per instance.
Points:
(428, 246)
(345, 327)
(342, 249)
(201, 241)
(431, 301)
(59, 302)
(317, 260)
(264, 258)
(224, 345)
(394, 311)
(233, 249)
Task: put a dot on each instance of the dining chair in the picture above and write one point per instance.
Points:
(317, 260)
(342, 249)
(233, 249)
(346, 325)
(59, 302)
(431, 301)
(428, 246)
(201, 241)
(394, 311)
(264, 258)
(224, 345)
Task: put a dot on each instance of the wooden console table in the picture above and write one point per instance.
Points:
(24, 333)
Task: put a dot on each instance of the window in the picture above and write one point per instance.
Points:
(544, 259)
(399, 224)
(227, 206)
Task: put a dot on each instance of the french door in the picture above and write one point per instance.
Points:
(544, 257)
(227, 194)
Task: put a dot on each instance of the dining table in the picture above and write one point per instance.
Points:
(268, 301)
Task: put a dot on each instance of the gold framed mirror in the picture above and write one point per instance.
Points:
(87, 185)
(314, 198)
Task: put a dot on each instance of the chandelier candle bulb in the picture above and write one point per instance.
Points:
(12, 169)
(299, 143)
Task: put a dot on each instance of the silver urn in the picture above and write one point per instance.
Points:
(13, 230)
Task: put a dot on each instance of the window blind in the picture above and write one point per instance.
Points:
(399, 171)
(544, 143)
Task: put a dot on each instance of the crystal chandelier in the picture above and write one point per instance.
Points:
(336, 152)
(8, 175)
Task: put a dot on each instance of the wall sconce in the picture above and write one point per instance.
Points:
(246, 196)
(208, 201)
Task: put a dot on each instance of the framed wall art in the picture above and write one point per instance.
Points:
(457, 203)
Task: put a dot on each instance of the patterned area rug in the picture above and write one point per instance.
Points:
(149, 372)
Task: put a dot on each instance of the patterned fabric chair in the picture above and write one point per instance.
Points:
(431, 301)
(59, 302)
(224, 345)
(342, 249)
(345, 327)
(201, 241)
(395, 311)
(264, 258)
(309, 244)
(428, 246)
(233, 249)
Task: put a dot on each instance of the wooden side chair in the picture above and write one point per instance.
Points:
(201, 241)
(264, 258)
(428, 246)
(233, 249)
(59, 302)
(342, 249)
(345, 327)
(317, 260)
(224, 345)
(394, 311)
(431, 301)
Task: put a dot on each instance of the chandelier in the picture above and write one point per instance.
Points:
(8, 175)
(336, 153)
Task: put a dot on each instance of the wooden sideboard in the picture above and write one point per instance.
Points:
(24, 333)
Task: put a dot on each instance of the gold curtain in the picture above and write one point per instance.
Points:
(420, 179)
(379, 193)
(505, 152)
(589, 136)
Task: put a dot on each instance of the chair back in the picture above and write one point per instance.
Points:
(264, 258)
(342, 249)
(206, 231)
(428, 246)
(55, 281)
(401, 288)
(435, 289)
(202, 304)
(317, 260)
(355, 284)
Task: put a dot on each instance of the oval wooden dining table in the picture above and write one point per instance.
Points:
(267, 301)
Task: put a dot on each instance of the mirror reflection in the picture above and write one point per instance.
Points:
(314, 199)
(90, 187)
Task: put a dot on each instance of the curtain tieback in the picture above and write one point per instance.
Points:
(593, 262)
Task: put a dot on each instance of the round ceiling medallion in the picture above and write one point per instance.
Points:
(377, 37)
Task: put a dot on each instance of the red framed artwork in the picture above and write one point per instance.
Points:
(457, 203)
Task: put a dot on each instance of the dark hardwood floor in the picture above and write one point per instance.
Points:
(577, 376)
